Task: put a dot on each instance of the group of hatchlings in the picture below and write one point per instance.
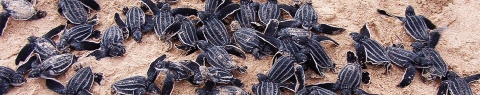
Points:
(294, 44)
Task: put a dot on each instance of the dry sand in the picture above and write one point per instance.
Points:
(458, 45)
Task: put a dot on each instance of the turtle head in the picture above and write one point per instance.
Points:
(356, 36)
(32, 39)
(422, 62)
(451, 75)
(166, 6)
(63, 45)
(417, 46)
(410, 11)
(307, 25)
(262, 77)
(35, 73)
(153, 89)
(17, 80)
(117, 50)
(137, 34)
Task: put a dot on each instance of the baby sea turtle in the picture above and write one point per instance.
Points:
(254, 41)
(211, 89)
(456, 85)
(76, 37)
(349, 78)
(271, 10)
(416, 26)
(283, 69)
(408, 60)
(79, 84)
(53, 66)
(10, 77)
(438, 67)
(135, 23)
(187, 35)
(368, 49)
(179, 70)
(315, 90)
(111, 44)
(162, 16)
(136, 85)
(247, 13)
(318, 57)
(19, 10)
(43, 46)
(76, 11)
(213, 28)
(217, 56)
(307, 18)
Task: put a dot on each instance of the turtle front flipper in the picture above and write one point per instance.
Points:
(300, 78)
(289, 9)
(54, 32)
(55, 86)
(227, 10)
(184, 11)
(235, 51)
(327, 29)
(38, 15)
(24, 68)
(383, 12)
(168, 84)
(361, 54)
(435, 37)
(26, 51)
(171, 31)
(321, 38)
(272, 27)
(270, 40)
(472, 78)
(407, 77)
(99, 54)
(152, 72)
(149, 23)
(122, 26)
(289, 24)
(429, 23)
(365, 77)
(3, 21)
(86, 45)
(92, 4)
(290, 87)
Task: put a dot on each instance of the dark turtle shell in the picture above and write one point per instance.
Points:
(214, 30)
(73, 10)
(247, 13)
(373, 50)
(247, 39)
(319, 56)
(43, 47)
(53, 66)
(282, 69)
(439, 67)
(187, 33)
(307, 16)
(77, 33)
(80, 83)
(315, 90)
(456, 85)
(350, 76)
(269, 10)
(111, 44)
(133, 85)
(163, 19)
(219, 58)
(135, 18)
(19, 9)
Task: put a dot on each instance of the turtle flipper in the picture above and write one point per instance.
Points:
(201, 59)
(270, 40)
(443, 88)
(237, 82)
(171, 30)
(361, 54)
(54, 32)
(24, 53)
(321, 38)
(122, 26)
(84, 92)
(149, 23)
(227, 10)
(235, 51)
(383, 12)
(327, 29)
(435, 37)
(407, 77)
(96, 34)
(55, 86)
(168, 84)
(97, 78)
(22, 69)
(99, 54)
(3, 21)
(153, 88)
(38, 15)
(429, 23)
(152, 6)
(365, 77)
(272, 27)
(289, 23)
(289, 9)
(92, 4)
(152, 73)
(184, 11)
(86, 45)
(4, 86)
(257, 54)
(365, 31)
(290, 87)
(472, 78)
(300, 77)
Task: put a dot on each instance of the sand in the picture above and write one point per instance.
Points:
(458, 45)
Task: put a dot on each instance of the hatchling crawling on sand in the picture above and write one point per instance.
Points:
(369, 50)
(79, 84)
(111, 44)
(19, 10)
(456, 85)
(136, 22)
(43, 47)
(211, 89)
(76, 11)
(76, 37)
(283, 69)
(9, 77)
(254, 41)
(52, 67)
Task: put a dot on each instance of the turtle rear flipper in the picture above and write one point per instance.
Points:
(227, 10)
(407, 77)
(3, 21)
(92, 4)
(38, 15)
(289, 9)
(55, 86)
(54, 32)
(168, 84)
(184, 11)
(149, 23)
(86, 45)
(235, 51)
(26, 51)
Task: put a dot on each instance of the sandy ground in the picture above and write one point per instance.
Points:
(458, 45)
